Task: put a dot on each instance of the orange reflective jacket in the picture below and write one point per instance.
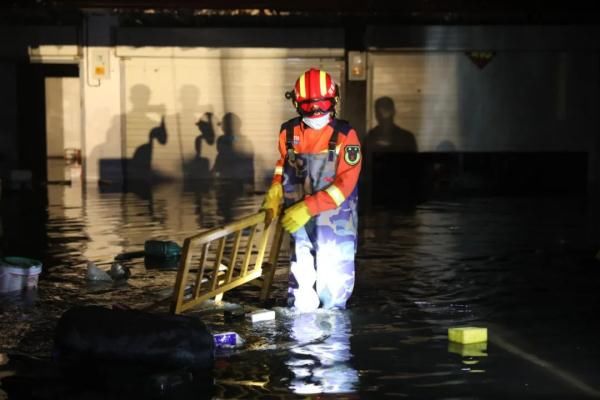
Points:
(349, 161)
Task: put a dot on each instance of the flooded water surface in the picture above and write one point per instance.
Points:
(525, 268)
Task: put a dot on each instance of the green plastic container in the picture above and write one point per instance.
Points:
(161, 249)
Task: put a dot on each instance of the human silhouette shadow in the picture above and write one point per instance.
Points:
(387, 136)
(193, 115)
(139, 176)
(234, 165)
(235, 153)
(196, 172)
(116, 172)
(140, 165)
(392, 166)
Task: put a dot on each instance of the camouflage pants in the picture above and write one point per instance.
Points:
(322, 259)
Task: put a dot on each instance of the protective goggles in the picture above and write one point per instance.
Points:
(310, 107)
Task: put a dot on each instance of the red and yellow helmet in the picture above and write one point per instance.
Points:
(314, 93)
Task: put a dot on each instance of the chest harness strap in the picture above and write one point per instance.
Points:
(289, 140)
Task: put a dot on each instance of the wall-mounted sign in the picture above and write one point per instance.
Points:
(99, 63)
(357, 66)
(481, 58)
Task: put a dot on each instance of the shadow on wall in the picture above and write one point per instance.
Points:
(197, 169)
(139, 168)
(387, 136)
(384, 142)
(235, 154)
(232, 174)
(141, 121)
(234, 165)
(191, 117)
(137, 174)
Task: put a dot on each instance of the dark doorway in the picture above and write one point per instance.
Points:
(31, 111)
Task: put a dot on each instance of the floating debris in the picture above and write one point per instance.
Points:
(467, 334)
(96, 274)
(228, 340)
(118, 272)
(261, 315)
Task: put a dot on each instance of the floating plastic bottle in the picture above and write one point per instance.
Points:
(96, 274)
(118, 272)
(162, 249)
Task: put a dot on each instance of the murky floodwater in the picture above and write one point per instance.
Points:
(523, 267)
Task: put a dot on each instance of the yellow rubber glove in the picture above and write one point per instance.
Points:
(295, 217)
(272, 202)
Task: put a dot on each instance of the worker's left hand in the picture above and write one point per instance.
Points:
(295, 217)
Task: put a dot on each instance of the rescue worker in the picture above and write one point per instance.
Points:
(316, 177)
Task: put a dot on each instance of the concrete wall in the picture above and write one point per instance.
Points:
(102, 102)
(248, 83)
(169, 79)
(539, 92)
(63, 115)
(520, 101)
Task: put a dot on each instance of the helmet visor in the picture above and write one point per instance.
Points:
(313, 106)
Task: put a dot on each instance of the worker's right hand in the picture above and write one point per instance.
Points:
(272, 202)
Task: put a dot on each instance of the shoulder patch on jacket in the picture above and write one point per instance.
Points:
(352, 154)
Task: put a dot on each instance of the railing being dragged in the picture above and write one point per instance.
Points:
(223, 258)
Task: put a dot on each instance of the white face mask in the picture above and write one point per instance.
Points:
(317, 123)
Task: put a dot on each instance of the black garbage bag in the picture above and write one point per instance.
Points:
(40, 379)
(94, 335)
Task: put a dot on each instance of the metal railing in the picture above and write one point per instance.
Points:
(225, 258)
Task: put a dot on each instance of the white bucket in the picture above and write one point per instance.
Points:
(18, 273)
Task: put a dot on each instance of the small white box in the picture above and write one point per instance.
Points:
(262, 315)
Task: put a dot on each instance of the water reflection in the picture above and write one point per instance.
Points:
(321, 361)
(524, 264)
(122, 222)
